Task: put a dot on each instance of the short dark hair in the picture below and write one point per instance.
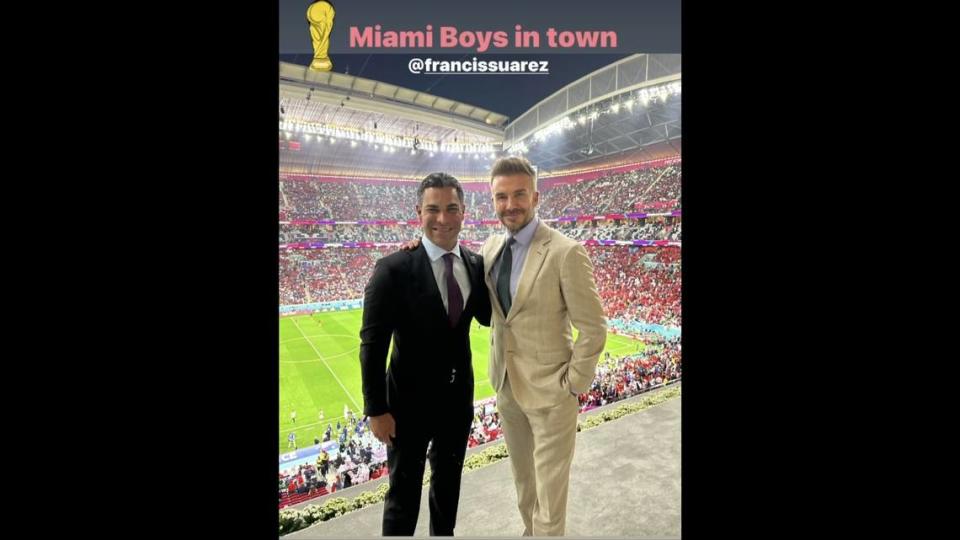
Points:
(513, 165)
(439, 180)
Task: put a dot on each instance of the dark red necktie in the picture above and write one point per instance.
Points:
(454, 296)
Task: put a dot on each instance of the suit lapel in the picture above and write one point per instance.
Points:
(490, 257)
(430, 293)
(531, 267)
(473, 269)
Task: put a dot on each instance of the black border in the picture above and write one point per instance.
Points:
(181, 217)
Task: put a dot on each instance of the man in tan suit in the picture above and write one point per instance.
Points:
(540, 283)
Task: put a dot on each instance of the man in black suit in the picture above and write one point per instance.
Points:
(425, 299)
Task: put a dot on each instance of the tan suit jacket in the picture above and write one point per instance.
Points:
(534, 345)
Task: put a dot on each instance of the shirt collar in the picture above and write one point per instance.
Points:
(435, 252)
(525, 235)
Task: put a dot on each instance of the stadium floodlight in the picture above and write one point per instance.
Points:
(552, 129)
(332, 140)
(431, 154)
(475, 156)
(413, 152)
(517, 148)
(615, 107)
(306, 137)
(353, 144)
(459, 156)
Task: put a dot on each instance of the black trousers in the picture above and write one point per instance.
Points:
(445, 430)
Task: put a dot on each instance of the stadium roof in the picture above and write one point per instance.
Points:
(658, 121)
(598, 127)
(369, 100)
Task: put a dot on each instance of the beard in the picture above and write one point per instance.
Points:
(521, 219)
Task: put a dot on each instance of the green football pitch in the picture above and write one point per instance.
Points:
(320, 369)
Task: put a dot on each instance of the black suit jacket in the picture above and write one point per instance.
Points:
(402, 301)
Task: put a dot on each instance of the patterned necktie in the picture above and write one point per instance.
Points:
(503, 280)
(454, 296)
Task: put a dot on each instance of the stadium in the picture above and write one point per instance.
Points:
(353, 150)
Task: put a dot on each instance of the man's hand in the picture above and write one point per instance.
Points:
(383, 427)
(410, 245)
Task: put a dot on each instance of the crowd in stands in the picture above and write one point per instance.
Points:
(614, 193)
(652, 229)
(371, 233)
(626, 376)
(665, 189)
(351, 201)
(304, 199)
(486, 423)
(635, 283)
(639, 283)
(324, 275)
(355, 461)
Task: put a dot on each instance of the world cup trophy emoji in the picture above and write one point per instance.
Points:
(320, 15)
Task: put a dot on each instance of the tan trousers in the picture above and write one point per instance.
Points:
(541, 444)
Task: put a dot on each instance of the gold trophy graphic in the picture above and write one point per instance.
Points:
(320, 16)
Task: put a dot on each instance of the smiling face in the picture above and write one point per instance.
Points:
(441, 216)
(515, 199)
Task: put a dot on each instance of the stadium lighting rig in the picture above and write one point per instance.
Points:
(626, 101)
(379, 138)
